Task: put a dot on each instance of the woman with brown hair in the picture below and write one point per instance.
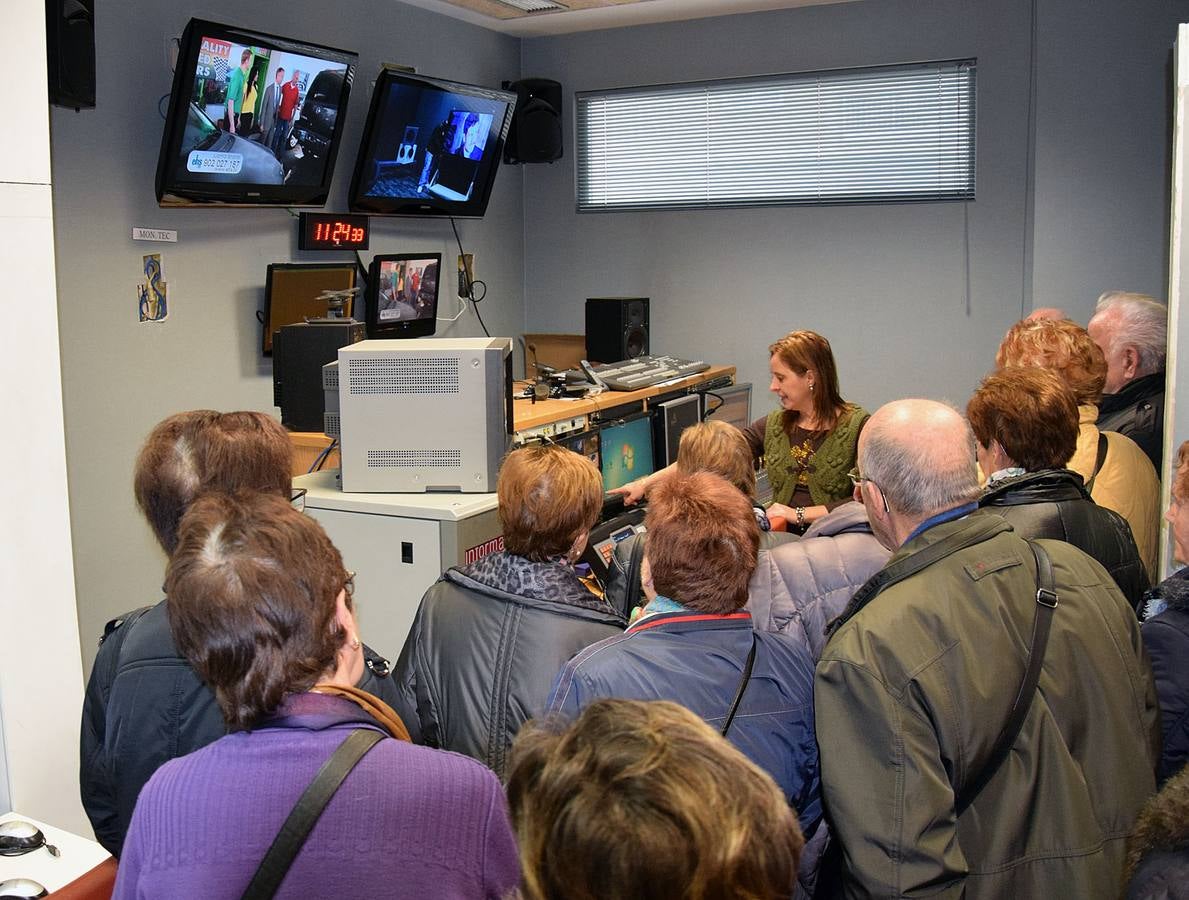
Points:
(489, 637)
(1025, 424)
(808, 445)
(260, 605)
(642, 800)
(1117, 473)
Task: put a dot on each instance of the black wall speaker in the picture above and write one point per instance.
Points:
(535, 135)
(70, 49)
(616, 328)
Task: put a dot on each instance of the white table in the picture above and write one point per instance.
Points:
(79, 856)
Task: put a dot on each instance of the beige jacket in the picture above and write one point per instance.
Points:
(1127, 483)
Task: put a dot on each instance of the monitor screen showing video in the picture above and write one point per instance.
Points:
(403, 295)
(253, 118)
(430, 147)
(626, 451)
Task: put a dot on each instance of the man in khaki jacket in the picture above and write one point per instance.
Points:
(917, 681)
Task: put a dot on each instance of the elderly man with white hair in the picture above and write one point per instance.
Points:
(938, 781)
(1132, 330)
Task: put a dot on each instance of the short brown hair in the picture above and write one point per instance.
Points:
(193, 452)
(1180, 478)
(548, 495)
(1031, 412)
(1060, 345)
(805, 350)
(644, 800)
(721, 448)
(701, 542)
(251, 592)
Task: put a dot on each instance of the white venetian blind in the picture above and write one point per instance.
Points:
(892, 134)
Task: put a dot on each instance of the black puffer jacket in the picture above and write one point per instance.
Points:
(486, 645)
(145, 706)
(1053, 503)
(1166, 637)
(1138, 412)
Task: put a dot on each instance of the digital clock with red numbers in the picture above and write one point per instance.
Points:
(326, 231)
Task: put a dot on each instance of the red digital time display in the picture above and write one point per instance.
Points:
(326, 231)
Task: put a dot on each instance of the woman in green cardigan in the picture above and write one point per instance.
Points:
(810, 443)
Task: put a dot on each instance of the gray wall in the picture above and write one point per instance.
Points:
(914, 298)
(121, 377)
(1103, 140)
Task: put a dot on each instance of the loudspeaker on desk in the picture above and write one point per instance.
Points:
(616, 328)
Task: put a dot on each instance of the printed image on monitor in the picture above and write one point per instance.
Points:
(402, 295)
(430, 147)
(254, 119)
(730, 404)
(626, 451)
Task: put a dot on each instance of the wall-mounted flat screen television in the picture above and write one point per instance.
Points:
(430, 147)
(254, 119)
(402, 295)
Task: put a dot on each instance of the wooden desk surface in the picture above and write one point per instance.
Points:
(527, 414)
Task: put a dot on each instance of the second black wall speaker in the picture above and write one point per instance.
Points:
(616, 328)
(535, 135)
(70, 52)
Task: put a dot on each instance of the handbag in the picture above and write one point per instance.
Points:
(306, 812)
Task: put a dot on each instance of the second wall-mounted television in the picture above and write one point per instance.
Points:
(430, 147)
(254, 119)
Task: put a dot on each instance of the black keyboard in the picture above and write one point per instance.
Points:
(646, 371)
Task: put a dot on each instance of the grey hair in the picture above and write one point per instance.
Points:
(1143, 322)
(919, 477)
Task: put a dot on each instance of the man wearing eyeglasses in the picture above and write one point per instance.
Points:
(929, 784)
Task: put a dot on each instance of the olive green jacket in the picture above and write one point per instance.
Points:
(913, 690)
(835, 457)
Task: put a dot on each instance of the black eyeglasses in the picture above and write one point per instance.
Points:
(18, 838)
(21, 889)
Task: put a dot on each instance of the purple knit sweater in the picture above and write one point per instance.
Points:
(407, 822)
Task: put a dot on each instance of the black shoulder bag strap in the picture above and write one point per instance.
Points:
(310, 805)
(1098, 461)
(747, 667)
(1046, 602)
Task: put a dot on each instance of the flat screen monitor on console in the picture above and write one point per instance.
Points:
(735, 405)
(626, 450)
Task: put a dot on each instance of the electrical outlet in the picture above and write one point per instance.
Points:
(466, 273)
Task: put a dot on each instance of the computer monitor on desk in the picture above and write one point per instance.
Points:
(730, 404)
(626, 450)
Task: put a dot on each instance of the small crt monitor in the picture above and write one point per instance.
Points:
(626, 450)
(402, 295)
(730, 404)
(672, 418)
